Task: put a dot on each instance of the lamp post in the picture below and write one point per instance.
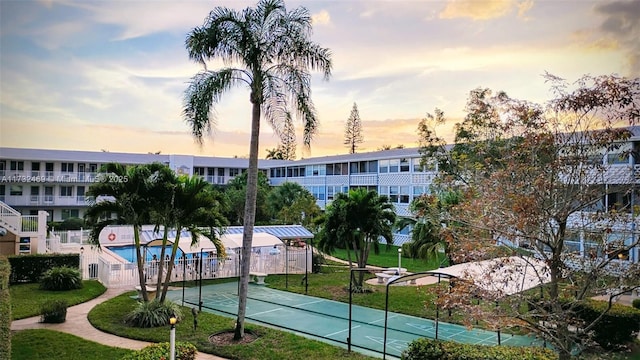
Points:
(172, 337)
(81, 261)
(399, 261)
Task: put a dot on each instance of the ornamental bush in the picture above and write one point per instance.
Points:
(160, 351)
(61, 279)
(153, 314)
(429, 349)
(5, 309)
(54, 311)
(618, 326)
(636, 303)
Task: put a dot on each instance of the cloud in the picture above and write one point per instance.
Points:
(321, 18)
(523, 8)
(622, 23)
(483, 10)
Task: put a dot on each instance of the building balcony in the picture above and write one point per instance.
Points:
(45, 200)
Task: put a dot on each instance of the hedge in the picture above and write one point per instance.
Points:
(430, 349)
(618, 326)
(160, 351)
(5, 309)
(30, 268)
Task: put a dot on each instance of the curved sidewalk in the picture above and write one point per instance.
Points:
(77, 324)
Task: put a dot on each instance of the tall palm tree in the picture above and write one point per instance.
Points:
(194, 205)
(266, 48)
(128, 193)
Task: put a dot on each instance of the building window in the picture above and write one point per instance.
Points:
(48, 194)
(393, 194)
(394, 165)
(315, 170)
(80, 194)
(70, 213)
(234, 172)
(384, 166)
(363, 167)
(35, 193)
(15, 190)
(617, 159)
(404, 194)
(66, 191)
(17, 165)
(66, 167)
(48, 169)
(318, 192)
(419, 190)
(198, 170)
(404, 165)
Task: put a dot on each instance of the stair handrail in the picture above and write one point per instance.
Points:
(10, 218)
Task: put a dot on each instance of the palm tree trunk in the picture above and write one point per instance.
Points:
(249, 219)
(170, 265)
(139, 259)
(165, 237)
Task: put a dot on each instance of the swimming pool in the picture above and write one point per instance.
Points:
(128, 252)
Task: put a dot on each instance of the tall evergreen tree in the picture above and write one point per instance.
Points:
(353, 130)
(288, 142)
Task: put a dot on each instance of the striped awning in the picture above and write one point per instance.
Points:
(283, 232)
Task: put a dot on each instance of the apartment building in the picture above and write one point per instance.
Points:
(55, 181)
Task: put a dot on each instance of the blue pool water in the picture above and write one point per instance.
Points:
(128, 252)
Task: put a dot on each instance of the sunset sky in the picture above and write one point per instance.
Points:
(110, 75)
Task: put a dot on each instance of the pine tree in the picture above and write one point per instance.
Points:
(288, 142)
(353, 130)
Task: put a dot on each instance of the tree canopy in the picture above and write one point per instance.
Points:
(538, 176)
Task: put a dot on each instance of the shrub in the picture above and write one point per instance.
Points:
(5, 309)
(617, 327)
(30, 268)
(429, 349)
(636, 303)
(316, 263)
(61, 279)
(152, 314)
(54, 311)
(184, 351)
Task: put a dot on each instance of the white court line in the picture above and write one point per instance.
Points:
(456, 334)
(341, 331)
(264, 312)
(388, 317)
(309, 303)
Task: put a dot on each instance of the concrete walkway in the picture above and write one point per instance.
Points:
(78, 324)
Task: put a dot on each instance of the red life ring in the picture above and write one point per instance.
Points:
(111, 237)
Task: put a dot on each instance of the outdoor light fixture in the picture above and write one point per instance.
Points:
(172, 337)
(399, 261)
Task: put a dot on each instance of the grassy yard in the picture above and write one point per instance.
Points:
(27, 299)
(388, 257)
(54, 345)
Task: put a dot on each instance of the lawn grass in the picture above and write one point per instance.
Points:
(333, 283)
(54, 345)
(388, 257)
(271, 345)
(27, 299)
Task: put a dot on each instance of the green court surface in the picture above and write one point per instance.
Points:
(328, 320)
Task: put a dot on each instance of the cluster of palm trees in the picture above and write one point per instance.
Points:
(153, 194)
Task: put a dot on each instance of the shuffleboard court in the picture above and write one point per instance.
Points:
(328, 320)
